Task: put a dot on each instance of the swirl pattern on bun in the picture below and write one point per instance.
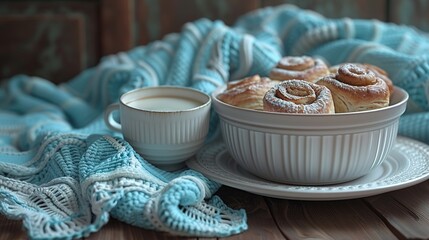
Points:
(379, 72)
(247, 92)
(356, 88)
(299, 96)
(299, 67)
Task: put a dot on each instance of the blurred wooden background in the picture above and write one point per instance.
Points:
(58, 39)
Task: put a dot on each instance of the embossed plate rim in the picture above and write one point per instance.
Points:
(416, 153)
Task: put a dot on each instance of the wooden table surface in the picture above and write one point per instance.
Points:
(401, 214)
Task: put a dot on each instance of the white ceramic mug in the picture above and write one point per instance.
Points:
(166, 125)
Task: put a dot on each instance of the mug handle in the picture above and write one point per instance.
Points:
(111, 123)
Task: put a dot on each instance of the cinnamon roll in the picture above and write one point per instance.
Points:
(377, 70)
(356, 88)
(299, 96)
(299, 67)
(247, 92)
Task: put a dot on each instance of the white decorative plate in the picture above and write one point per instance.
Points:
(406, 165)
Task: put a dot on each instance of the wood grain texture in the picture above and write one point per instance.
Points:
(88, 30)
(49, 39)
(401, 214)
(156, 18)
(50, 47)
(406, 210)
(116, 26)
(366, 9)
(260, 221)
(11, 229)
(414, 13)
(116, 230)
(328, 220)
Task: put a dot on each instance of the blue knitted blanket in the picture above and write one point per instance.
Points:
(64, 174)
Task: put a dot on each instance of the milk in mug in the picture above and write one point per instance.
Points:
(164, 103)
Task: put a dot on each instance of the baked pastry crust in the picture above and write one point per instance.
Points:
(379, 72)
(299, 96)
(356, 88)
(247, 92)
(299, 67)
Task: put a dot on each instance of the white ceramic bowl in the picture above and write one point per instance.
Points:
(310, 149)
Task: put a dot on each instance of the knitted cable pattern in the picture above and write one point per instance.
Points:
(64, 174)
